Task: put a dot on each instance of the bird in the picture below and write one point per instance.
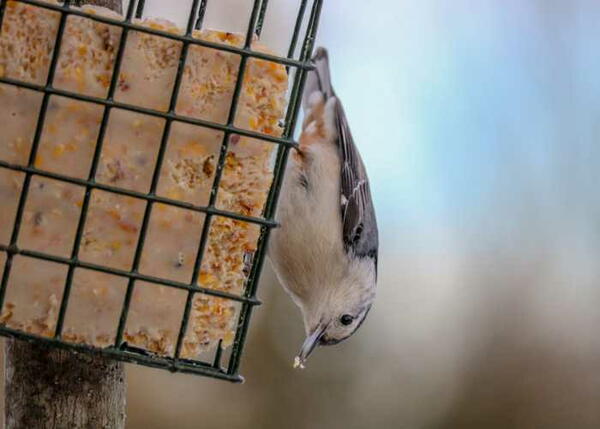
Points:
(325, 251)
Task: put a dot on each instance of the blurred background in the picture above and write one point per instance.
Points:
(479, 125)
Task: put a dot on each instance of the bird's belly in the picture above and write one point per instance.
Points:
(307, 250)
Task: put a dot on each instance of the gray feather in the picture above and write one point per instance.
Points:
(320, 79)
(358, 214)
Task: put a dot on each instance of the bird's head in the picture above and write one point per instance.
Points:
(334, 312)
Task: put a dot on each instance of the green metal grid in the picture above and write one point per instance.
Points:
(120, 350)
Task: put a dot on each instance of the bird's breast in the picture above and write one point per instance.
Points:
(307, 250)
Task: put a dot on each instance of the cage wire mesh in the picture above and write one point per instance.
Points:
(297, 64)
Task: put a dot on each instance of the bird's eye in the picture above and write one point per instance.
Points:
(346, 319)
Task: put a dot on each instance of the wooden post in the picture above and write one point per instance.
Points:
(49, 388)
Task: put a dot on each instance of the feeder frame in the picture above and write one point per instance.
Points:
(120, 350)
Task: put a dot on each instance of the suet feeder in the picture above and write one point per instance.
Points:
(140, 166)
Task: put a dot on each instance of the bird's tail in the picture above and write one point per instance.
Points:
(318, 79)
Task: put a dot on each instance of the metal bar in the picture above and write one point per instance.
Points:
(291, 114)
(128, 274)
(269, 212)
(311, 31)
(218, 355)
(297, 27)
(129, 355)
(92, 174)
(201, 13)
(245, 52)
(2, 9)
(261, 17)
(156, 176)
(190, 25)
(151, 112)
(139, 12)
(34, 147)
(190, 295)
(246, 311)
(217, 179)
(135, 194)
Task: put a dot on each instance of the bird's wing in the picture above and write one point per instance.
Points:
(358, 214)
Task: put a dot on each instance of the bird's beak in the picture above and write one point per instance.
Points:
(311, 343)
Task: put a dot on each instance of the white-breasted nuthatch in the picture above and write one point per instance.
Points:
(325, 252)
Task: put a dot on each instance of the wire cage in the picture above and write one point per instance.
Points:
(221, 364)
